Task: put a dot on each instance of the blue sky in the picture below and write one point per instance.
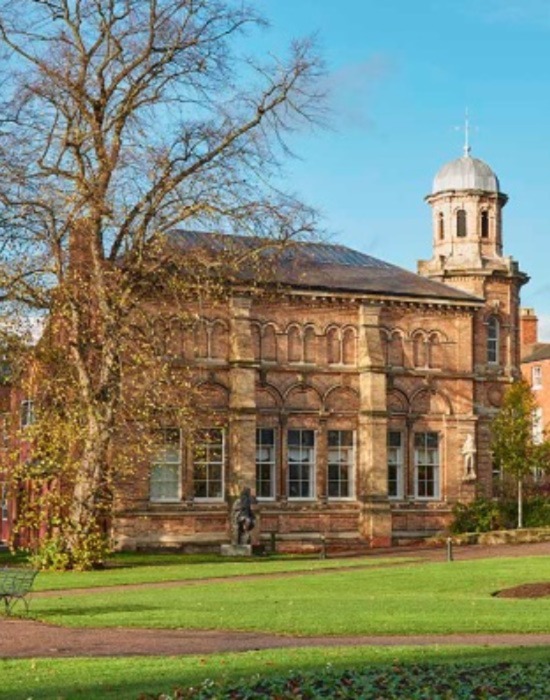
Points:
(403, 73)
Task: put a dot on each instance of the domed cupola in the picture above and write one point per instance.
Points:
(466, 206)
(465, 173)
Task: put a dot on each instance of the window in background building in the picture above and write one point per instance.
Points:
(538, 435)
(536, 377)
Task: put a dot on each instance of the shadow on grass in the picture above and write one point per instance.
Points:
(43, 615)
(135, 677)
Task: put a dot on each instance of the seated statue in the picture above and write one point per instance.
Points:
(242, 518)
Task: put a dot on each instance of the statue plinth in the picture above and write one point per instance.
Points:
(236, 550)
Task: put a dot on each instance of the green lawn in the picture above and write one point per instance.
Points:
(123, 569)
(401, 598)
(406, 599)
(128, 678)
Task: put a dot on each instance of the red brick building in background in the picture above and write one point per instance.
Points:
(356, 405)
(535, 368)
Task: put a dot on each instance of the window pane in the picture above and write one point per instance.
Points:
(341, 463)
(394, 438)
(301, 463)
(165, 477)
(395, 464)
(265, 462)
(208, 463)
(426, 458)
(294, 437)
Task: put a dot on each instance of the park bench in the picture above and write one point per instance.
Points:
(15, 585)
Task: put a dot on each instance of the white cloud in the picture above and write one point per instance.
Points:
(351, 88)
(527, 12)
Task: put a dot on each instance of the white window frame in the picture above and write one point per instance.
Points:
(266, 456)
(397, 462)
(165, 458)
(26, 413)
(424, 459)
(493, 340)
(199, 446)
(4, 514)
(536, 377)
(343, 457)
(537, 425)
(311, 460)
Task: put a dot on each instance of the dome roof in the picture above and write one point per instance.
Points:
(466, 173)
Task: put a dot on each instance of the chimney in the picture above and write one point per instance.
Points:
(528, 329)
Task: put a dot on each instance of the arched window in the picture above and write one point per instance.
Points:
(348, 347)
(202, 349)
(441, 226)
(269, 344)
(493, 339)
(485, 224)
(461, 223)
(219, 341)
(256, 340)
(420, 355)
(310, 343)
(396, 355)
(434, 352)
(294, 344)
(334, 346)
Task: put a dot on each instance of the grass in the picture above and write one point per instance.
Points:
(408, 599)
(128, 678)
(403, 598)
(129, 568)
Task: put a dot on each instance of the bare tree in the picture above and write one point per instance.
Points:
(121, 120)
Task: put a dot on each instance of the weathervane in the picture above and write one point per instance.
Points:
(467, 130)
(467, 148)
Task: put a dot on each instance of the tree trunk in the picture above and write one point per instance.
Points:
(520, 504)
(90, 506)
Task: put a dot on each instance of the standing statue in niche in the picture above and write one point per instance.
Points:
(242, 518)
(469, 456)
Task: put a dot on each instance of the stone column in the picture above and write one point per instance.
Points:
(242, 404)
(375, 519)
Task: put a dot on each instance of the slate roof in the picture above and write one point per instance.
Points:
(329, 267)
(539, 352)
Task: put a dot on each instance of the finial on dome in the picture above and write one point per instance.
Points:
(467, 148)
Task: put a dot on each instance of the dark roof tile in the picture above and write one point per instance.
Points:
(329, 267)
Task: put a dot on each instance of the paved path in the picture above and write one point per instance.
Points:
(28, 639)
(20, 638)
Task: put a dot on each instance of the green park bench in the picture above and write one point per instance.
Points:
(16, 585)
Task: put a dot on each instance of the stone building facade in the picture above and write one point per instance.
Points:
(356, 404)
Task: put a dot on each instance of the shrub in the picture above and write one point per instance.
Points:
(486, 514)
(481, 515)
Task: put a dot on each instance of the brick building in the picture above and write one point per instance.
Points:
(535, 369)
(356, 404)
